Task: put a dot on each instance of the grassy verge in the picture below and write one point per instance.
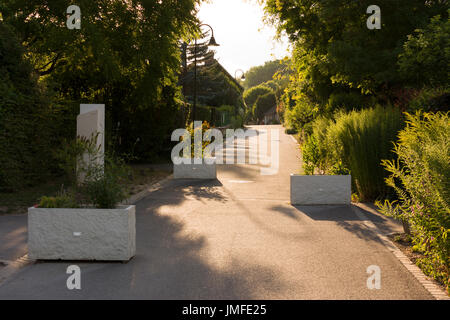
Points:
(19, 202)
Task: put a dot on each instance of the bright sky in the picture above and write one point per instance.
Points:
(245, 41)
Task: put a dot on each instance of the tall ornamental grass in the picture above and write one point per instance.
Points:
(355, 142)
(363, 139)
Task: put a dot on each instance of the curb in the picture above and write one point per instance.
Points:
(149, 189)
(425, 281)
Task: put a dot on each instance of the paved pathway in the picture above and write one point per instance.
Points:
(236, 238)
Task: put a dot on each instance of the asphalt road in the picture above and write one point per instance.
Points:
(235, 238)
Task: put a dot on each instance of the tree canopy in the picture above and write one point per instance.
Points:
(335, 49)
(251, 95)
(125, 55)
(260, 74)
(263, 104)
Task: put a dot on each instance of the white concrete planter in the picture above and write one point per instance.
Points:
(320, 190)
(195, 171)
(82, 234)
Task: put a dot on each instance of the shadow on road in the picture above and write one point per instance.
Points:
(344, 217)
(172, 263)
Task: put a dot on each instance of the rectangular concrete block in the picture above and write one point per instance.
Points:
(82, 234)
(202, 171)
(320, 190)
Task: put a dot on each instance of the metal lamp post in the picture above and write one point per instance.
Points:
(212, 43)
(243, 74)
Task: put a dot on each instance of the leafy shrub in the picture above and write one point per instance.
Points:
(105, 187)
(263, 104)
(192, 131)
(74, 157)
(346, 101)
(311, 157)
(425, 56)
(62, 201)
(237, 122)
(25, 135)
(431, 100)
(290, 131)
(92, 184)
(421, 179)
(315, 150)
(303, 112)
(251, 95)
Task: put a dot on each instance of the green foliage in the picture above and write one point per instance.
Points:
(355, 143)
(365, 139)
(215, 87)
(26, 135)
(92, 183)
(262, 74)
(430, 100)
(421, 179)
(311, 157)
(263, 104)
(316, 151)
(61, 201)
(346, 101)
(104, 187)
(334, 49)
(251, 95)
(126, 56)
(303, 112)
(425, 59)
(202, 134)
(71, 156)
(237, 122)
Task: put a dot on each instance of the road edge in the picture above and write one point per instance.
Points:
(425, 281)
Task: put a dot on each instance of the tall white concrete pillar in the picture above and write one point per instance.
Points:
(91, 122)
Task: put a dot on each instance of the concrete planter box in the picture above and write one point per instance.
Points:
(82, 234)
(203, 171)
(320, 190)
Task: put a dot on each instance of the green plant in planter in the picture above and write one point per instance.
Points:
(201, 131)
(61, 201)
(71, 154)
(105, 187)
(92, 183)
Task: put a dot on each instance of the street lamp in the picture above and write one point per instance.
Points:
(212, 43)
(243, 74)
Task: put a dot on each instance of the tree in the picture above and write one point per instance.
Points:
(426, 55)
(336, 50)
(125, 56)
(260, 74)
(263, 104)
(251, 95)
(25, 133)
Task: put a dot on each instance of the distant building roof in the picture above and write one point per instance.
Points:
(241, 88)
